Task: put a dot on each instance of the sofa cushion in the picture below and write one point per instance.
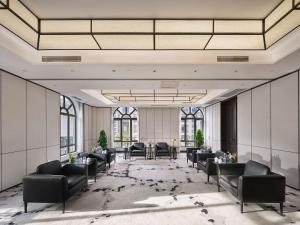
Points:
(74, 180)
(219, 154)
(232, 180)
(255, 168)
(52, 167)
(162, 145)
(138, 146)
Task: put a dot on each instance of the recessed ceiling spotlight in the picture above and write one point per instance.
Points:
(113, 71)
(195, 71)
(72, 70)
(24, 70)
(236, 71)
(154, 71)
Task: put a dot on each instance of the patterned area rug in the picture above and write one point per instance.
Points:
(145, 192)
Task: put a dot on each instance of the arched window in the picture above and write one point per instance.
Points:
(125, 126)
(67, 126)
(191, 119)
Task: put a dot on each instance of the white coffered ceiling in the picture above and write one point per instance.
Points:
(116, 70)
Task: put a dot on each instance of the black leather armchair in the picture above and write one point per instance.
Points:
(191, 155)
(53, 183)
(162, 149)
(95, 163)
(252, 182)
(137, 149)
(205, 162)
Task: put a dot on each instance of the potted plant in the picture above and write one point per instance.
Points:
(72, 158)
(102, 141)
(199, 139)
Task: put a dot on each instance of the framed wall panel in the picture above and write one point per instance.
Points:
(166, 124)
(261, 155)
(35, 157)
(13, 97)
(261, 104)
(53, 119)
(284, 109)
(36, 116)
(12, 174)
(158, 121)
(244, 118)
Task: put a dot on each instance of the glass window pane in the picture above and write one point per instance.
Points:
(64, 151)
(134, 114)
(117, 114)
(199, 114)
(72, 110)
(63, 130)
(190, 130)
(67, 103)
(185, 110)
(126, 130)
(72, 130)
(135, 130)
(193, 109)
(72, 148)
(117, 130)
(182, 130)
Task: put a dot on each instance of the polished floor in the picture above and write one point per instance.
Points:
(159, 191)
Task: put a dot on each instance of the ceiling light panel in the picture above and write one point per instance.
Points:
(278, 13)
(238, 26)
(24, 13)
(122, 26)
(65, 26)
(67, 42)
(182, 26)
(236, 42)
(181, 41)
(125, 41)
(17, 26)
(3, 3)
(291, 21)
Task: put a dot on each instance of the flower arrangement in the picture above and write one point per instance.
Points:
(232, 157)
(72, 158)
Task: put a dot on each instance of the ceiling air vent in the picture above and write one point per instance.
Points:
(48, 59)
(233, 58)
(169, 84)
(232, 93)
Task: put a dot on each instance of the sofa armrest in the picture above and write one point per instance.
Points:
(230, 169)
(45, 188)
(71, 169)
(99, 157)
(262, 188)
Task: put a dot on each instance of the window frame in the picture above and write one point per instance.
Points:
(125, 116)
(190, 116)
(68, 115)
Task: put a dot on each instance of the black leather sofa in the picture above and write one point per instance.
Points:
(96, 163)
(53, 183)
(252, 182)
(162, 149)
(137, 149)
(205, 162)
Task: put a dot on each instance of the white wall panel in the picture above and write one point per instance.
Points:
(261, 155)
(13, 97)
(36, 116)
(261, 116)
(142, 123)
(158, 120)
(35, 157)
(244, 118)
(284, 97)
(287, 164)
(175, 125)
(12, 174)
(150, 124)
(166, 123)
(53, 153)
(244, 153)
(53, 119)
